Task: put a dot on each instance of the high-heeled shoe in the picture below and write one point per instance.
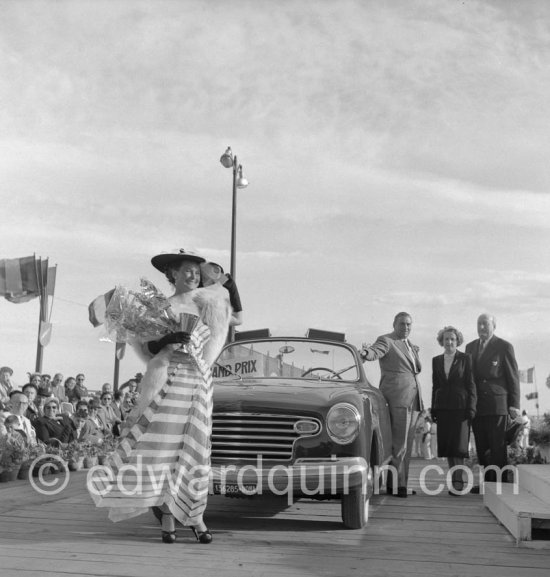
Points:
(168, 528)
(168, 536)
(202, 536)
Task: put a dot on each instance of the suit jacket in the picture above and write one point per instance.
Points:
(27, 429)
(90, 432)
(398, 381)
(496, 376)
(61, 428)
(458, 390)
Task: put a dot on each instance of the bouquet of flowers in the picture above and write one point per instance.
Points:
(145, 314)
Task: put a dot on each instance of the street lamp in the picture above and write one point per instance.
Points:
(239, 181)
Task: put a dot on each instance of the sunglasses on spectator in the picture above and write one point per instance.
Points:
(54, 407)
(107, 399)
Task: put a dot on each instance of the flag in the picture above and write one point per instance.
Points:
(120, 349)
(548, 381)
(45, 333)
(19, 279)
(97, 308)
(23, 279)
(532, 396)
(52, 274)
(527, 376)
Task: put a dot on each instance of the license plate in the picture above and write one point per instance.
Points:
(233, 489)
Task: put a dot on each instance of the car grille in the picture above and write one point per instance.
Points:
(244, 436)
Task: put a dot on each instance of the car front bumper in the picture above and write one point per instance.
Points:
(309, 477)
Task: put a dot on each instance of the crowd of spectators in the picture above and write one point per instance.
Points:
(57, 412)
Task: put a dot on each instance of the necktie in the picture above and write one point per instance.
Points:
(411, 354)
(481, 347)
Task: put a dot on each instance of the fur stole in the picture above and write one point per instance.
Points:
(215, 312)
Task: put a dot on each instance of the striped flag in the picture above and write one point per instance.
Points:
(19, 279)
(97, 308)
(527, 376)
(23, 279)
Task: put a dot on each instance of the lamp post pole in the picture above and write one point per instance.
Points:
(229, 161)
(233, 266)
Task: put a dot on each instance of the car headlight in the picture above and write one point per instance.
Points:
(343, 423)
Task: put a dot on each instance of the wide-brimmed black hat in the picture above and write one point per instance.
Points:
(163, 261)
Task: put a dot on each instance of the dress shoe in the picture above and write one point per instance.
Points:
(168, 536)
(403, 492)
(202, 536)
(167, 522)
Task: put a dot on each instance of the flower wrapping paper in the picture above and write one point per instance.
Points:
(143, 314)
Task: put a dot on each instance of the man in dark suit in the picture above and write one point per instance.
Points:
(497, 383)
(399, 366)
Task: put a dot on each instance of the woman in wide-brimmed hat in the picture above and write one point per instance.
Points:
(167, 434)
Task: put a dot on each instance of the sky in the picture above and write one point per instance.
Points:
(397, 155)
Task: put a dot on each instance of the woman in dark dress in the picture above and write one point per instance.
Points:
(54, 428)
(453, 402)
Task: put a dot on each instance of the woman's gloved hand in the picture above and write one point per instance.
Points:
(180, 337)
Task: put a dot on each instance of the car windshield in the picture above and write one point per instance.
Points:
(286, 358)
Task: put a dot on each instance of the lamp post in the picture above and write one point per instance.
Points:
(239, 181)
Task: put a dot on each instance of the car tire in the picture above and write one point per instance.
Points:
(355, 508)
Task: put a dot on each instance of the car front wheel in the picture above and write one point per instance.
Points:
(355, 508)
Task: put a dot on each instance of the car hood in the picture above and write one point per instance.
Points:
(283, 395)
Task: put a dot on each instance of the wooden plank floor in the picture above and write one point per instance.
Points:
(423, 535)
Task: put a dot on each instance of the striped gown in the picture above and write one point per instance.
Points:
(165, 457)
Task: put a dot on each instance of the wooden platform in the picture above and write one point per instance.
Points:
(523, 508)
(423, 535)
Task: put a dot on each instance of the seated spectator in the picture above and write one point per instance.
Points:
(70, 392)
(35, 379)
(10, 423)
(5, 383)
(94, 405)
(3, 414)
(53, 426)
(117, 405)
(19, 404)
(33, 410)
(129, 384)
(58, 388)
(80, 390)
(131, 394)
(107, 416)
(82, 406)
(86, 429)
(45, 392)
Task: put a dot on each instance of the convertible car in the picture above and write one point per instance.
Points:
(296, 416)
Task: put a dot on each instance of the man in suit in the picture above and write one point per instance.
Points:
(399, 366)
(497, 383)
(19, 404)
